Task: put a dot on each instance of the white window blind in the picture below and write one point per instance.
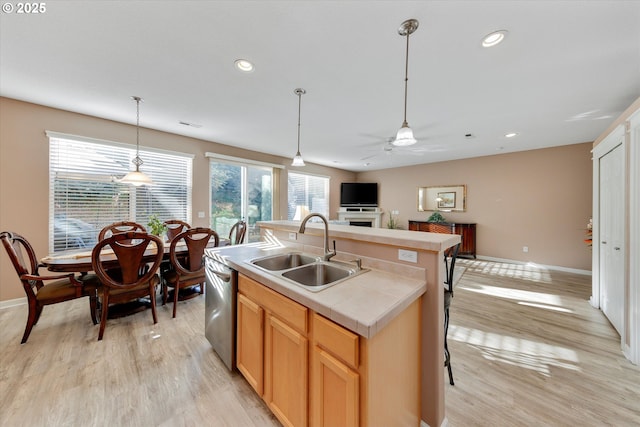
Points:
(85, 194)
(306, 194)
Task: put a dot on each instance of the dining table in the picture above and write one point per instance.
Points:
(79, 261)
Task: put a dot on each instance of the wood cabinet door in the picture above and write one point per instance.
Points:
(335, 392)
(250, 342)
(286, 372)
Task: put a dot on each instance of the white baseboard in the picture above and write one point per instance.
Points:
(13, 302)
(548, 267)
(445, 423)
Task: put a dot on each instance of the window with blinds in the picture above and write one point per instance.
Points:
(306, 194)
(85, 195)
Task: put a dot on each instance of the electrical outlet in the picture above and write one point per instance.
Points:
(396, 212)
(525, 249)
(293, 236)
(409, 256)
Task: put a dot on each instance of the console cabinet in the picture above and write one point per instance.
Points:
(466, 231)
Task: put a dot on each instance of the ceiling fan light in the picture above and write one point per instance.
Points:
(404, 137)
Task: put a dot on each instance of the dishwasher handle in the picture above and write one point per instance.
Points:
(225, 277)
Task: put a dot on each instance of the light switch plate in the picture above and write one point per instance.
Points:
(409, 256)
(293, 236)
(201, 214)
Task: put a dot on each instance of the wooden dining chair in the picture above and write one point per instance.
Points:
(45, 290)
(175, 227)
(237, 232)
(120, 227)
(187, 270)
(137, 277)
(450, 256)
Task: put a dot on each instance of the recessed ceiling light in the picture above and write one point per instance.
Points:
(494, 38)
(511, 135)
(244, 65)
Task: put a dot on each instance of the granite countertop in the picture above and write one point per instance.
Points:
(363, 304)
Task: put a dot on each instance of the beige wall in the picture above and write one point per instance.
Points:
(539, 198)
(24, 169)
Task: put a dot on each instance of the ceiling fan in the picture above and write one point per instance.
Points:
(389, 149)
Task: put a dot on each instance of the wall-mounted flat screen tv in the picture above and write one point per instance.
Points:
(356, 194)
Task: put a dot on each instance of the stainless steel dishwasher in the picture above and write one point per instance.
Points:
(220, 310)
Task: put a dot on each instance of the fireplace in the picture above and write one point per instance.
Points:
(361, 223)
(362, 217)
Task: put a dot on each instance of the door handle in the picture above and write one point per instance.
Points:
(616, 248)
(604, 242)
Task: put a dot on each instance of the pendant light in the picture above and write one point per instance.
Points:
(297, 160)
(136, 177)
(405, 136)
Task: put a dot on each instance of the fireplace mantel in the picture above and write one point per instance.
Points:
(358, 216)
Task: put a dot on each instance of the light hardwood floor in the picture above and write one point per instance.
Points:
(527, 349)
(141, 374)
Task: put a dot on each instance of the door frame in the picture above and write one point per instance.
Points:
(612, 141)
(632, 349)
(615, 138)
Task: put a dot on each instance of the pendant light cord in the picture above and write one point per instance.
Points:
(137, 160)
(138, 126)
(406, 80)
(299, 109)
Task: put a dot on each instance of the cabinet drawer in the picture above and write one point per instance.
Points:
(284, 308)
(336, 340)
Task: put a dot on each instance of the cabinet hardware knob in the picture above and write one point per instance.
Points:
(616, 248)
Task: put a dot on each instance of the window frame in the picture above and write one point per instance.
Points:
(244, 164)
(327, 189)
(155, 159)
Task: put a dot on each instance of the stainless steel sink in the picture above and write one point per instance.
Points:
(308, 271)
(318, 274)
(284, 261)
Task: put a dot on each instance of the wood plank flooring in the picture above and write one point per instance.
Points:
(527, 349)
(141, 374)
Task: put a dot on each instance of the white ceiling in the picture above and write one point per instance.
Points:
(563, 74)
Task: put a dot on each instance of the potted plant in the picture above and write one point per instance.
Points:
(156, 226)
(392, 222)
(436, 217)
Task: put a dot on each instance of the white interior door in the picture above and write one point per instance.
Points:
(611, 207)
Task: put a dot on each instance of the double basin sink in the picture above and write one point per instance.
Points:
(308, 271)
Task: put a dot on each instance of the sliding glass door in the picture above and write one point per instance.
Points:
(240, 192)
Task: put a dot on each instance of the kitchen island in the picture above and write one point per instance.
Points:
(388, 322)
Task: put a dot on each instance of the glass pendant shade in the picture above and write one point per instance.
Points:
(404, 136)
(297, 160)
(136, 178)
